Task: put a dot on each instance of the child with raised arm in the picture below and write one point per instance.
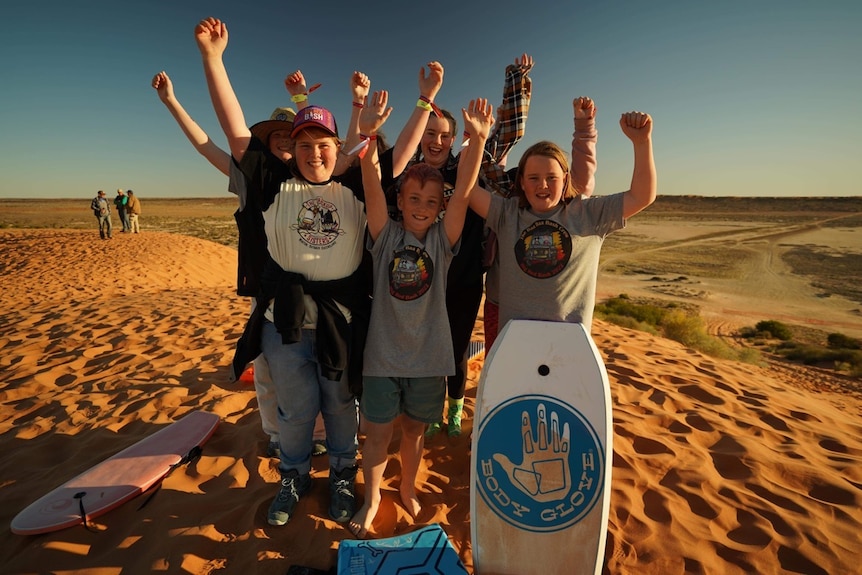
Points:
(409, 351)
(312, 307)
(275, 132)
(583, 172)
(550, 237)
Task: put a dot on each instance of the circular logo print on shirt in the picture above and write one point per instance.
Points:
(318, 223)
(539, 463)
(543, 249)
(410, 273)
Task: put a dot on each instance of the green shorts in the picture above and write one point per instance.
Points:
(385, 398)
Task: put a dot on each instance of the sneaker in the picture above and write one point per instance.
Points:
(456, 408)
(318, 447)
(342, 504)
(433, 429)
(273, 449)
(293, 486)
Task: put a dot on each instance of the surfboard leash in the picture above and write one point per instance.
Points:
(193, 455)
(80, 497)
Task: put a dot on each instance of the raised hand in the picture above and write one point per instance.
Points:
(637, 126)
(295, 83)
(584, 108)
(360, 85)
(375, 113)
(544, 472)
(211, 36)
(525, 62)
(429, 85)
(164, 87)
(478, 118)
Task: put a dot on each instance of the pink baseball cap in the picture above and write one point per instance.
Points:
(314, 117)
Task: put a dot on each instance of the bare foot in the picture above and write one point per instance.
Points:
(361, 522)
(410, 501)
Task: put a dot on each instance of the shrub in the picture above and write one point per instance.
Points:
(776, 329)
(841, 341)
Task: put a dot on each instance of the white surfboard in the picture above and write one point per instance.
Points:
(542, 453)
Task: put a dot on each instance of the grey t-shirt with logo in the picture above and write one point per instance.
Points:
(409, 331)
(548, 262)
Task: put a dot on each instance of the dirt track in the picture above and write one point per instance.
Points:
(757, 283)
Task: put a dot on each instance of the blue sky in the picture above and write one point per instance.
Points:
(749, 98)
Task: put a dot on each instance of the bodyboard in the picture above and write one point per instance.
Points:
(541, 453)
(117, 479)
(426, 550)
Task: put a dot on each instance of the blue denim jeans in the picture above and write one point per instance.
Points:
(302, 392)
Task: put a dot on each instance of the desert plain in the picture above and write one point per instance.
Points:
(719, 466)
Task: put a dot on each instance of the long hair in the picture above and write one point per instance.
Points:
(548, 150)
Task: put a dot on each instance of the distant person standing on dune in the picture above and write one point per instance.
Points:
(133, 210)
(120, 201)
(102, 210)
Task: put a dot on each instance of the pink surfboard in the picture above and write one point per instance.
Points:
(117, 479)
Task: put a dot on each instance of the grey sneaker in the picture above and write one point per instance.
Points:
(342, 504)
(293, 486)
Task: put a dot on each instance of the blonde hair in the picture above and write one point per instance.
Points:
(548, 150)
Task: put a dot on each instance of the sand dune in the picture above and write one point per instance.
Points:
(719, 467)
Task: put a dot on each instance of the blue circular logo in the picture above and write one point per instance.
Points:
(540, 464)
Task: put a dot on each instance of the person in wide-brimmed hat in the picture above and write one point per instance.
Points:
(249, 261)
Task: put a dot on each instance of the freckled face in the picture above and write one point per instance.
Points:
(315, 152)
(436, 141)
(281, 145)
(419, 205)
(543, 181)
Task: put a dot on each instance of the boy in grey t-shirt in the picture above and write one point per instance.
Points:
(408, 351)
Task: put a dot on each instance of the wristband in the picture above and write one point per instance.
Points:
(359, 105)
(427, 104)
(420, 103)
(299, 98)
(371, 137)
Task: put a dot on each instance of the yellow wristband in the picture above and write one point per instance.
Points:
(424, 105)
(299, 98)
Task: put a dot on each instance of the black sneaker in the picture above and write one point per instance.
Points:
(342, 504)
(293, 486)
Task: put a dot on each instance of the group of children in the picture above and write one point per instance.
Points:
(367, 279)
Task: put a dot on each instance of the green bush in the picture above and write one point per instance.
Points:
(672, 323)
(841, 341)
(776, 329)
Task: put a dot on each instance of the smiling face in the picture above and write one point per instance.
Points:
(543, 182)
(281, 145)
(315, 152)
(420, 202)
(436, 141)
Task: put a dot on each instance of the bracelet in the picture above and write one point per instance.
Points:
(426, 104)
(420, 103)
(359, 105)
(371, 137)
(299, 98)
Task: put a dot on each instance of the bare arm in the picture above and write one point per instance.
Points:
(478, 119)
(410, 136)
(212, 36)
(373, 115)
(359, 87)
(195, 134)
(584, 139)
(637, 127)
